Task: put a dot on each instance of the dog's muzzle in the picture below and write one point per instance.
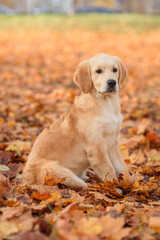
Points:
(111, 85)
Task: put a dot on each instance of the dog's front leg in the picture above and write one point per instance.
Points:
(117, 159)
(99, 160)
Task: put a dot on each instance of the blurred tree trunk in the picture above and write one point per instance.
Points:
(8, 3)
(138, 6)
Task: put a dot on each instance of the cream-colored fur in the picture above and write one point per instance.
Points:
(87, 135)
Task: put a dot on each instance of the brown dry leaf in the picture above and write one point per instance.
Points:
(118, 208)
(54, 198)
(101, 196)
(39, 208)
(63, 230)
(51, 180)
(124, 152)
(7, 228)
(134, 141)
(154, 139)
(137, 157)
(154, 222)
(3, 180)
(9, 213)
(70, 95)
(89, 227)
(102, 227)
(130, 180)
(148, 234)
(44, 188)
(75, 196)
(42, 196)
(25, 235)
(69, 209)
(153, 154)
(117, 232)
(26, 222)
(143, 124)
(1, 121)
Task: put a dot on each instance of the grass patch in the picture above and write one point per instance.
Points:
(119, 23)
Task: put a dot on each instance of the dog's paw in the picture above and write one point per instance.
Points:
(84, 177)
(76, 182)
(84, 185)
(110, 176)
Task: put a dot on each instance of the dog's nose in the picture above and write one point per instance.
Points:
(111, 83)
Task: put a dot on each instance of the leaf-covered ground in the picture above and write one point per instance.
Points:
(36, 87)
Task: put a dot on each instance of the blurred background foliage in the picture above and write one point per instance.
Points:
(116, 23)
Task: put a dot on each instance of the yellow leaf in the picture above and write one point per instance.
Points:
(1, 121)
(11, 123)
(13, 148)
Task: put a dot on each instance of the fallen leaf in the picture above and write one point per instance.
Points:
(154, 222)
(14, 149)
(25, 235)
(8, 228)
(4, 168)
(143, 124)
(42, 196)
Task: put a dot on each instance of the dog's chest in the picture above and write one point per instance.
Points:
(107, 125)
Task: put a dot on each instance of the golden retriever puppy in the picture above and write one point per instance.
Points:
(88, 134)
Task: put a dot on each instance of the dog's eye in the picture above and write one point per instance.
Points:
(99, 71)
(114, 69)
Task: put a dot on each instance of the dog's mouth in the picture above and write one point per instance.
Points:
(109, 90)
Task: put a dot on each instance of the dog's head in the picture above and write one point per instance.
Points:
(102, 72)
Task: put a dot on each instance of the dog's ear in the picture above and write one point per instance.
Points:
(82, 77)
(122, 70)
